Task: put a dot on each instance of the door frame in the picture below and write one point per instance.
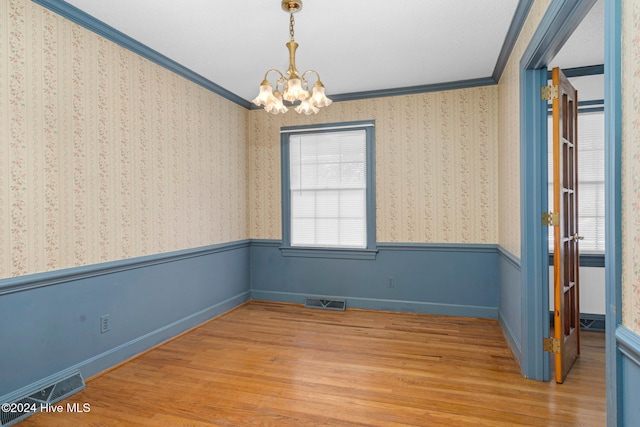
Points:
(558, 23)
(613, 203)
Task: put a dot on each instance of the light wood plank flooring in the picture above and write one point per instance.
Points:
(285, 365)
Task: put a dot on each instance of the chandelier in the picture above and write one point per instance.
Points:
(293, 87)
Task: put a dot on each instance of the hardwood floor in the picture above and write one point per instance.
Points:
(285, 365)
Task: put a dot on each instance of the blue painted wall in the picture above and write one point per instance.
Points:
(628, 351)
(630, 393)
(50, 323)
(51, 320)
(438, 279)
(510, 308)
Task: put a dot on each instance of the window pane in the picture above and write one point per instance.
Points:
(328, 189)
(328, 175)
(303, 203)
(302, 230)
(353, 204)
(327, 232)
(590, 181)
(328, 204)
(352, 232)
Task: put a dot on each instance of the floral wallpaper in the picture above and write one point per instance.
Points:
(436, 165)
(631, 165)
(105, 155)
(509, 135)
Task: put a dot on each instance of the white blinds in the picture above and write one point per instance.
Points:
(327, 174)
(590, 181)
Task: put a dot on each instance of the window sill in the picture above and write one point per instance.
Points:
(306, 252)
(586, 260)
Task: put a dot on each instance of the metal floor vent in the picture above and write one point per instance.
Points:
(29, 405)
(326, 304)
(592, 324)
(588, 322)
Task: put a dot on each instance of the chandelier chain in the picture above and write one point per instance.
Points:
(291, 24)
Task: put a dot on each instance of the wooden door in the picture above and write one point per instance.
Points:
(565, 200)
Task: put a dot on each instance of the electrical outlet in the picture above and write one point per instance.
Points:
(390, 282)
(104, 324)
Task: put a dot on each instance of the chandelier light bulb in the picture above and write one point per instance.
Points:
(295, 91)
(319, 99)
(307, 107)
(265, 94)
(276, 106)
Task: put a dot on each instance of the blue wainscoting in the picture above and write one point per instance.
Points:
(50, 323)
(447, 279)
(628, 344)
(510, 310)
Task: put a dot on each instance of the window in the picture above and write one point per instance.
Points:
(328, 190)
(590, 179)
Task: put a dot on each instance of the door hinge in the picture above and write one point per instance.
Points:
(550, 219)
(551, 345)
(548, 93)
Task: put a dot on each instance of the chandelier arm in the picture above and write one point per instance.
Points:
(311, 71)
(273, 69)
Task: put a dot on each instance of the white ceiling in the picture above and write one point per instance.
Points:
(584, 48)
(586, 44)
(356, 46)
